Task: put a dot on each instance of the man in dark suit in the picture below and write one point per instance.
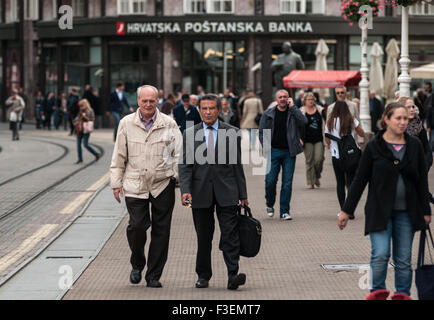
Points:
(185, 112)
(376, 111)
(214, 178)
(117, 101)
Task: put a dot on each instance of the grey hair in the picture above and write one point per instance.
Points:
(281, 90)
(147, 86)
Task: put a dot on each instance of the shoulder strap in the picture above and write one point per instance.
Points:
(332, 137)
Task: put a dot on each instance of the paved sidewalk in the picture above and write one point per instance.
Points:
(287, 267)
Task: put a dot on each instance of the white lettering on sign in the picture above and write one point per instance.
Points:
(218, 27)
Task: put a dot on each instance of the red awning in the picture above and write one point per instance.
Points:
(322, 79)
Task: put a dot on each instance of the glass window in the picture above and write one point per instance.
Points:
(131, 7)
(422, 8)
(356, 50)
(50, 62)
(292, 6)
(14, 10)
(79, 8)
(207, 68)
(31, 10)
(130, 65)
(208, 6)
(95, 55)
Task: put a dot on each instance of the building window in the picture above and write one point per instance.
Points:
(14, 11)
(79, 8)
(302, 6)
(208, 6)
(31, 10)
(131, 7)
(422, 9)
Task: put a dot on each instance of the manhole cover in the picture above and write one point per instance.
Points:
(347, 267)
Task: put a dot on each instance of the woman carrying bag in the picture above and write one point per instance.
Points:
(339, 123)
(398, 200)
(83, 127)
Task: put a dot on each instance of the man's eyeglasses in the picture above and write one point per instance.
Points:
(340, 92)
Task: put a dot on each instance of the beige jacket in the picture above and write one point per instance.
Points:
(144, 162)
(252, 106)
(16, 105)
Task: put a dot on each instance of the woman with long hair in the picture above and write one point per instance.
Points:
(339, 123)
(85, 114)
(398, 200)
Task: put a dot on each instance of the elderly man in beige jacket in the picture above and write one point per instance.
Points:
(144, 167)
(341, 94)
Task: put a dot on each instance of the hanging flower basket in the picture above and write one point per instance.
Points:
(350, 9)
(404, 3)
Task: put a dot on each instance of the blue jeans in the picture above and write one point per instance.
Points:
(400, 231)
(85, 138)
(117, 117)
(279, 157)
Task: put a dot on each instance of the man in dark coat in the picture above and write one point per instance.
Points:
(117, 101)
(186, 113)
(376, 111)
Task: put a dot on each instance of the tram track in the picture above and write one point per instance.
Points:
(38, 194)
(63, 155)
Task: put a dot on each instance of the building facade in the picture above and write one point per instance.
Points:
(180, 44)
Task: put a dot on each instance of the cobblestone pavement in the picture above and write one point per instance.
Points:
(289, 265)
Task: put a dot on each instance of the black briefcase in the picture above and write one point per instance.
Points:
(250, 232)
(425, 272)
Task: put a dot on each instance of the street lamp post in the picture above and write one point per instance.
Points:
(225, 71)
(404, 78)
(365, 116)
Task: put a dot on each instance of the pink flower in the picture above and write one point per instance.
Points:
(351, 23)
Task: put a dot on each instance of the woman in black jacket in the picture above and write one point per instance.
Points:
(398, 200)
(416, 129)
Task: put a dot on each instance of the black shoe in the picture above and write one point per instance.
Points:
(135, 276)
(154, 284)
(97, 157)
(236, 281)
(79, 161)
(202, 283)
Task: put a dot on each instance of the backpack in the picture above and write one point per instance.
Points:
(349, 152)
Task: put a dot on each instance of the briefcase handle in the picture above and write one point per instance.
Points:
(247, 211)
(423, 238)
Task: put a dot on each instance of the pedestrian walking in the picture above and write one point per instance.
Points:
(252, 111)
(284, 122)
(49, 110)
(313, 142)
(39, 109)
(144, 168)
(208, 185)
(376, 111)
(16, 107)
(340, 123)
(341, 95)
(416, 129)
(62, 111)
(398, 200)
(84, 124)
(73, 108)
(186, 113)
(26, 103)
(227, 115)
(169, 105)
(118, 103)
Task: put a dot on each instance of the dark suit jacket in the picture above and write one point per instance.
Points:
(116, 105)
(181, 117)
(225, 179)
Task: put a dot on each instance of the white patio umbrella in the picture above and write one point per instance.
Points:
(391, 72)
(376, 71)
(423, 72)
(321, 53)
